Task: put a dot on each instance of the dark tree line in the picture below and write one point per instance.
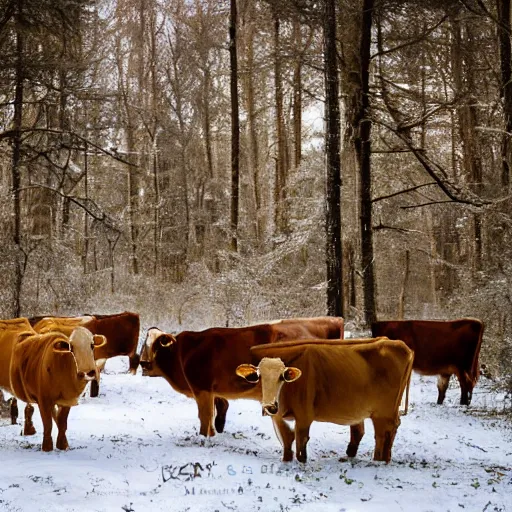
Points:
(257, 159)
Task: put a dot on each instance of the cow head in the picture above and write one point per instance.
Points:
(81, 345)
(155, 340)
(273, 374)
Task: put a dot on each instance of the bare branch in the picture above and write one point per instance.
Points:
(412, 189)
(437, 172)
(418, 39)
(394, 228)
(82, 202)
(10, 133)
(428, 204)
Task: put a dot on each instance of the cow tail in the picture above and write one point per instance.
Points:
(406, 383)
(475, 368)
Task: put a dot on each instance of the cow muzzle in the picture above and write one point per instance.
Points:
(270, 409)
(146, 366)
(91, 375)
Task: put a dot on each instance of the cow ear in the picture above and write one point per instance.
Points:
(99, 340)
(166, 340)
(249, 372)
(291, 374)
(61, 347)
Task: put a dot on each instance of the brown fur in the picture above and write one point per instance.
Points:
(342, 383)
(53, 380)
(202, 364)
(121, 331)
(441, 348)
(11, 331)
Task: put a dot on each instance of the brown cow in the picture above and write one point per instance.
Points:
(441, 348)
(202, 364)
(52, 370)
(332, 382)
(121, 331)
(11, 331)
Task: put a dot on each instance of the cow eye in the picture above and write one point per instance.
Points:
(92, 346)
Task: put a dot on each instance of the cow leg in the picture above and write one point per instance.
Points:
(206, 409)
(442, 385)
(466, 388)
(62, 425)
(95, 387)
(286, 437)
(221, 405)
(46, 415)
(14, 411)
(301, 441)
(385, 431)
(356, 434)
(28, 426)
(134, 363)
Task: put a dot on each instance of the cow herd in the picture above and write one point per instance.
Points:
(299, 369)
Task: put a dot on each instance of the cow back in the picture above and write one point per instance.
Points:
(210, 357)
(342, 383)
(439, 346)
(121, 331)
(11, 332)
(325, 327)
(63, 324)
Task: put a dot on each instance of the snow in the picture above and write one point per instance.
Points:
(136, 448)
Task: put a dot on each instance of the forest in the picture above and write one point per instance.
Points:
(222, 162)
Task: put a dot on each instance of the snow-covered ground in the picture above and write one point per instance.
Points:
(136, 448)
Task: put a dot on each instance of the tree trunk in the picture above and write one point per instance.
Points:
(362, 129)
(333, 163)
(297, 95)
(282, 151)
(154, 140)
(16, 159)
(504, 28)
(207, 123)
(401, 299)
(235, 125)
(464, 67)
(86, 219)
(253, 153)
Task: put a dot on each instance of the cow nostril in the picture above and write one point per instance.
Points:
(270, 409)
(92, 373)
(81, 375)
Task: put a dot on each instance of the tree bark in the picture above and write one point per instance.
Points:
(504, 28)
(235, 125)
(297, 95)
(401, 299)
(282, 151)
(362, 129)
(333, 164)
(16, 158)
(464, 68)
(253, 153)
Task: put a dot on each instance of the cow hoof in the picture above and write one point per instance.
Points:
(29, 430)
(62, 444)
(220, 424)
(288, 456)
(210, 432)
(47, 445)
(95, 389)
(351, 451)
